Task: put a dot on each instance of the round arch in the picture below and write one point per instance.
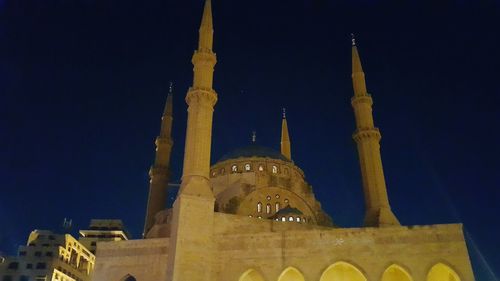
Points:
(342, 271)
(251, 275)
(395, 272)
(442, 272)
(291, 274)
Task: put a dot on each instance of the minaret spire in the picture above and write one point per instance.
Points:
(285, 138)
(159, 173)
(367, 137)
(193, 209)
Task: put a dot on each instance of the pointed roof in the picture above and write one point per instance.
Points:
(285, 138)
(168, 111)
(206, 20)
(358, 76)
(206, 28)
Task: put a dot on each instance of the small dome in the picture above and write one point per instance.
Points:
(253, 151)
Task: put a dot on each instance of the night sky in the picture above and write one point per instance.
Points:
(83, 85)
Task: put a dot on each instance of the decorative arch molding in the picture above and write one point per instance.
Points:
(342, 271)
(441, 271)
(291, 274)
(395, 272)
(128, 277)
(251, 275)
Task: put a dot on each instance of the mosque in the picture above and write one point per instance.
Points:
(252, 216)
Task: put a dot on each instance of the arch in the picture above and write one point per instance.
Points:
(395, 272)
(442, 272)
(342, 271)
(291, 274)
(128, 277)
(251, 275)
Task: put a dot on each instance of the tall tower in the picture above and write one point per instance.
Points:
(367, 137)
(159, 173)
(285, 138)
(191, 251)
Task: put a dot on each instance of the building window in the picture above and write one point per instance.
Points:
(222, 171)
(41, 265)
(234, 168)
(298, 219)
(51, 237)
(38, 254)
(7, 278)
(13, 265)
(29, 266)
(261, 168)
(214, 173)
(24, 278)
(268, 197)
(268, 208)
(48, 254)
(275, 169)
(22, 253)
(259, 207)
(277, 205)
(286, 201)
(283, 219)
(290, 219)
(93, 243)
(277, 196)
(248, 167)
(45, 245)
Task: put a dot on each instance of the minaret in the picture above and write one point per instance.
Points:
(159, 173)
(191, 238)
(367, 137)
(285, 138)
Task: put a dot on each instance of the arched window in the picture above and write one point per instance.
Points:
(342, 271)
(268, 208)
(251, 275)
(128, 277)
(222, 171)
(283, 219)
(277, 205)
(290, 218)
(275, 169)
(261, 168)
(297, 219)
(291, 274)
(248, 167)
(214, 173)
(396, 273)
(234, 168)
(286, 201)
(442, 272)
(259, 207)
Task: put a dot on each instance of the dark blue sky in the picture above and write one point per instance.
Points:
(83, 83)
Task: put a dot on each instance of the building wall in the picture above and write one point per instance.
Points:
(269, 248)
(144, 259)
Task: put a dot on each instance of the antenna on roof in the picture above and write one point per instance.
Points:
(66, 225)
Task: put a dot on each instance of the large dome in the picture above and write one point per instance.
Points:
(253, 151)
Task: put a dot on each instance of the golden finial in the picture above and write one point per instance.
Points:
(284, 113)
(170, 87)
